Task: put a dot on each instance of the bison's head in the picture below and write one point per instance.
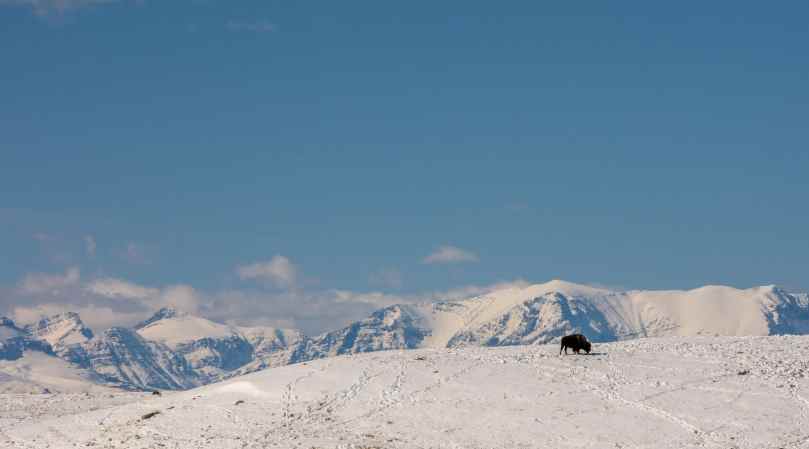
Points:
(587, 347)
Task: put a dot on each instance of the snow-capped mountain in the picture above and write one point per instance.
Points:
(213, 349)
(543, 312)
(210, 348)
(174, 350)
(394, 327)
(122, 357)
(60, 331)
(29, 365)
(118, 357)
(170, 350)
(540, 313)
(14, 341)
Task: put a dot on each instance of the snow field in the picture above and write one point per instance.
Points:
(690, 392)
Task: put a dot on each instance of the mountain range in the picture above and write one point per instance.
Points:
(175, 351)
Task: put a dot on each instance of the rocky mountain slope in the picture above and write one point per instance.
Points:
(544, 312)
(60, 331)
(14, 341)
(122, 357)
(173, 350)
(170, 350)
(213, 350)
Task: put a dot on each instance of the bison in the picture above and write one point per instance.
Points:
(576, 342)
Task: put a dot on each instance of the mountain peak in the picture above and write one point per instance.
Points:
(60, 330)
(8, 330)
(173, 328)
(5, 321)
(64, 316)
(163, 314)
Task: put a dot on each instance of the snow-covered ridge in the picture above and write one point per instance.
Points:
(170, 350)
(14, 341)
(60, 330)
(212, 349)
(541, 313)
(173, 328)
(174, 350)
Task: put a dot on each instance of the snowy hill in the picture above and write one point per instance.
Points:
(668, 393)
(38, 372)
(173, 350)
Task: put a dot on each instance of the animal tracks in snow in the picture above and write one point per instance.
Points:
(661, 393)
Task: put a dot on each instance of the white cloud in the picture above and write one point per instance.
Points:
(104, 302)
(27, 315)
(450, 254)
(181, 297)
(278, 271)
(376, 299)
(96, 317)
(120, 289)
(37, 283)
(90, 245)
(469, 291)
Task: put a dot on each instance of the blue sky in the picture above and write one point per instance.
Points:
(172, 143)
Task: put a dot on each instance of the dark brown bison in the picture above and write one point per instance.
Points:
(576, 342)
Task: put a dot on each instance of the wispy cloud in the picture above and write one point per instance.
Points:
(39, 283)
(450, 254)
(47, 7)
(180, 296)
(315, 311)
(279, 271)
(260, 26)
(109, 301)
(120, 289)
(97, 317)
(90, 245)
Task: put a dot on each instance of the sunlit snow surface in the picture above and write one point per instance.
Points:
(36, 372)
(692, 392)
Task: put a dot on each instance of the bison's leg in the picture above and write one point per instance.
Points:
(563, 347)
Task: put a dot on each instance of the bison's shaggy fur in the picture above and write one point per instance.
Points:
(576, 342)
